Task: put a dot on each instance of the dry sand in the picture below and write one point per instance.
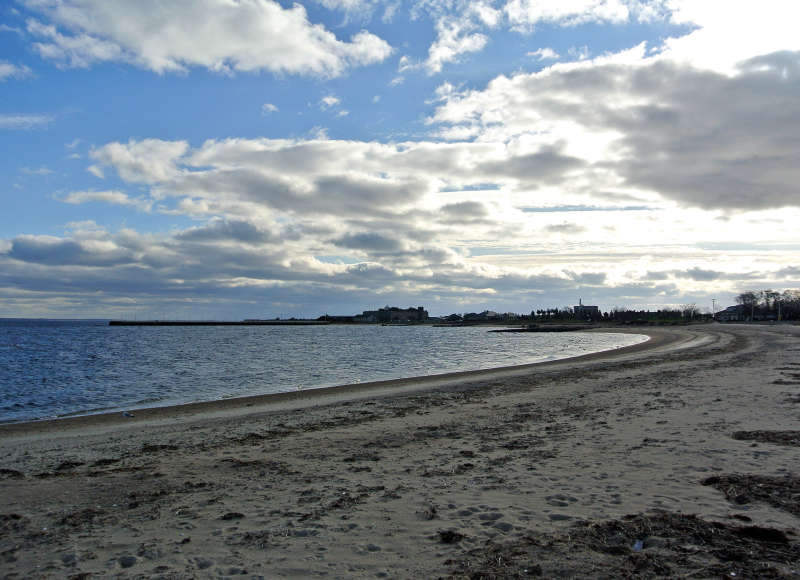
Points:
(674, 458)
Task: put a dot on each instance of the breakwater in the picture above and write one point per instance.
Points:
(217, 322)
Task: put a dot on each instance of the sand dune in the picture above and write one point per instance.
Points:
(676, 457)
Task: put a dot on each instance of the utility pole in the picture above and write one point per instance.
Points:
(713, 309)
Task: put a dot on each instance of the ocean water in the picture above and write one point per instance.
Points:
(60, 368)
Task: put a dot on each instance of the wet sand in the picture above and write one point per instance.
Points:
(675, 457)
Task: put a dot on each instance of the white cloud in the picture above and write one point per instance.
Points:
(545, 53)
(14, 29)
(328, 101)
(79, 51)
(358, 10)
(43, 170)
(283, 218)
(113, 197)
(524, 15)
(453, 39)
(579, 52)
(459, 30)
(13, 71)
(257, 35)
(612, 173)
(730, 137)
(728, 33)
(147, 161)
(97, 171)
(24, 121)
(268, 108)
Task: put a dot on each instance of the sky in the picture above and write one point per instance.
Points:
(251, 158)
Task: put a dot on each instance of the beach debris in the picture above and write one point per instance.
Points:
(81, 518)
(427, 514)
(70, 559)
(68, 465)
(10, 474)
(150, 448)
(685, 545)
(778, 491)
(450, 536)
(12, 523)
(788, 438)
(127, 414)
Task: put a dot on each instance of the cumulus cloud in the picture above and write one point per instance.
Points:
(148, 160)
(254, 35)
(711, 140)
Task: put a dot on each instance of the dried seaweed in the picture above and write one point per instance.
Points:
(779, 492)
(660, 544)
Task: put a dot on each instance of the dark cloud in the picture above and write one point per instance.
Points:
(224, 230)
(656, 276)
(57, 251)
(590, 278)
(713, 141)
(700, 275)
(566, 228)
(469, 210)
(342, 195)
(791, 272)
(370, 242)
(463, 213)
(547, 166)
(589, 208)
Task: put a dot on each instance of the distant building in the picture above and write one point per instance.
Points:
(732, 314)
(586, 312)
(393, 314)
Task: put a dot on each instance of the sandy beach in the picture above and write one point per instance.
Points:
(675, 458)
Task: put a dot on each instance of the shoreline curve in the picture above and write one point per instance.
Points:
(659, 341)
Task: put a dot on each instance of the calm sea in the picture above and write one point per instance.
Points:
(59, 368)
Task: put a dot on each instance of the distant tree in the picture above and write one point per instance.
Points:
(790, 305)
(749, 300)
(770, 299)
(689, 311)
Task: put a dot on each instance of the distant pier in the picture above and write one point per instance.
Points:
(217, 322)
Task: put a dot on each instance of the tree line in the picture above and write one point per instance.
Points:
(770, 304)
